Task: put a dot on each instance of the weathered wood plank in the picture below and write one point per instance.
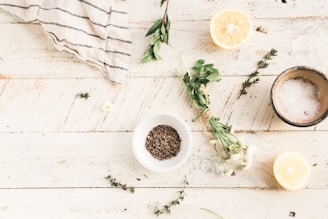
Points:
(113, 203)
(56, 149)
(84, 159)
(27, 53)
(204, 9)
(299, 42)
(53, 105)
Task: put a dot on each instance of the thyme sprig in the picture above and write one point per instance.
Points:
(160, 31)
(253, 77)
(166, 209)
(115, 183)
(227, 145)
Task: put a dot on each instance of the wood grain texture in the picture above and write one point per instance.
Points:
(113, 203)
(300, 41)
(53, 105)
(84, 159)
(56, 148)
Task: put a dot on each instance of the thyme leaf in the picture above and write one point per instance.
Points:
(253, 77)
(160, 31)
(162, 2)
(115, 183)
(83, 95)
(166, 209)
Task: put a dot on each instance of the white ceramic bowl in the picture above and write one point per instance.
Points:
(142, 130)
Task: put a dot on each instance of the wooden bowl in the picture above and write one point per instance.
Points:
(309, 78)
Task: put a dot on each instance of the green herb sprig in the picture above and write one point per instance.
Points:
(160, 31)
(253, 77)
(227, 145)
(166, 209)
(115, 183)
(205, 73)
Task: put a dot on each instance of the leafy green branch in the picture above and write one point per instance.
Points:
(227, 145)
(160, 31)
(253, 77)
(166, 209)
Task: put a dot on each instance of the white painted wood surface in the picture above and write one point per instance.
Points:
(56, 149)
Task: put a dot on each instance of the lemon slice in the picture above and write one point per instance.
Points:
(230, 28)
(291, 170)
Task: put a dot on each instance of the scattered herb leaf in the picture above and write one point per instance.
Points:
(160, 31)
(292, 214)
(261, 29)
(166, 209)
(115, 183)
(253, 77)
(162, 2)
(83, 95)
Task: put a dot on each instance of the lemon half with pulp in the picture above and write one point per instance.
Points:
(230, 28)
(291, 170)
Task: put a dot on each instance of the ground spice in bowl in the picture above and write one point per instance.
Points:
(163, 142)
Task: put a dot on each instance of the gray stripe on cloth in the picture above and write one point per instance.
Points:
(95, 32)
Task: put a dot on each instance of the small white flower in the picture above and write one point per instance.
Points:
(234, 157)
(227, 172)
(248, 164)
(107, 107)
(251, 150)
(241, 143)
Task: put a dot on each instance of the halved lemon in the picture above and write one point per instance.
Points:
(291, 170)
(230, 28)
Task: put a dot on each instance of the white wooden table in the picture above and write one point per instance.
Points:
(56, 148)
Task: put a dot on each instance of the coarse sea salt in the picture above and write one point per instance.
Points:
(298, 99)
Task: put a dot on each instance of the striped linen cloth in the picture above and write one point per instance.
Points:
(94, 31)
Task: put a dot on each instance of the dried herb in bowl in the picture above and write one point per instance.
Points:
(163, 142)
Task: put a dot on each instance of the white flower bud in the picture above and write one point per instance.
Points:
(251, 150)
(248, 164)
(234, 157)
(241, 143)
(227, 172)
(107, 107)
